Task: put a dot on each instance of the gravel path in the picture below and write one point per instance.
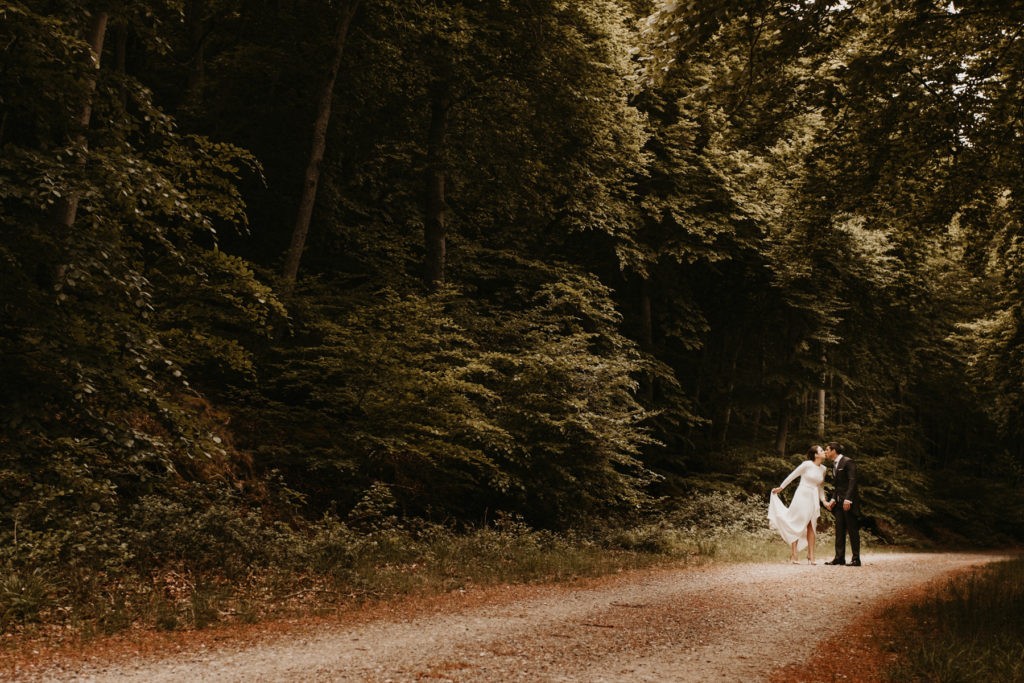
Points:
(720, 623)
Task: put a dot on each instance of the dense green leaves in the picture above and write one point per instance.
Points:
(96, 332)
(461, 407)
(565, 258)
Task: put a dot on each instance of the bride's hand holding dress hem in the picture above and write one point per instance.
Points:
(791, 522)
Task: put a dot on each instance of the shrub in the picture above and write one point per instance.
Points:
(23, 596)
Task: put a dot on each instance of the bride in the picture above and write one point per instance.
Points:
(796, 523)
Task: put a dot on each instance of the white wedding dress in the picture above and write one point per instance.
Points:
(792, 522)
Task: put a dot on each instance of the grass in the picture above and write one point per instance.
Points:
(378, 566)
(382, 565)
(971, 631)
(24, 596)
(331, 566)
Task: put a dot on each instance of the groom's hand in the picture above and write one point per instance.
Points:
(847, 505)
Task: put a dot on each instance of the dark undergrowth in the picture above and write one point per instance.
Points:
(972, 631)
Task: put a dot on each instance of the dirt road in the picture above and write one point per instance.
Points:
(714, 623)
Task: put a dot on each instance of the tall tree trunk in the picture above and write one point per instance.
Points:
(698, 387)
(821, 398)
(121, 59)
(316, 155)
(760, 409)
(821, 413)
(729, 392)
(646, 337)
(782, 433)
(195, 21)
(435, 222)
(67, 209)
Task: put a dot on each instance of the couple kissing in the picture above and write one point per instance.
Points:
(796, 523)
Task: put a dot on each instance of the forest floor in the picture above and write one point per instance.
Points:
(768, 622)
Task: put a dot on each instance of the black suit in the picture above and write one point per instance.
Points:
(847, 521)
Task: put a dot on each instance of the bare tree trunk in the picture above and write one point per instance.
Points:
(821, 413)
(759, 408)
(647, 337)
(67, 209)
(698, 388)
(821, 398)
(316, 155)
(730, 391)
(196, 25)
(782, 434)
(121, 58)
(435, 222)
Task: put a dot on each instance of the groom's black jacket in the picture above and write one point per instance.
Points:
(846, 483)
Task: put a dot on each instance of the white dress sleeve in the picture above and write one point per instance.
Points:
(821, 489)
(793, 475)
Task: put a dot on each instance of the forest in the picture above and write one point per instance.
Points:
(277, 272)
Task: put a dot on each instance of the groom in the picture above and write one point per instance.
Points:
(845, 506)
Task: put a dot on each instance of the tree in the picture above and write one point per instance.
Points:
(733, 208)
(95, 388)
(316, 154)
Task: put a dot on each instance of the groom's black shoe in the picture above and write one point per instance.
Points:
(855, 562)
(836, 560)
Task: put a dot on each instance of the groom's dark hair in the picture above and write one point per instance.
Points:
(834, 445)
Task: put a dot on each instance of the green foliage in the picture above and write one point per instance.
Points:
(565, 376)
(721, 514)
(990, 343)
(703, 524)
(985, 510)
(98, 407)
(385, 393)
(24, 596)
(202, 535)
(459, 407)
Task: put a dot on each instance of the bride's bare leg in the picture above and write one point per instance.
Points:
(792, 553)
(810, 543)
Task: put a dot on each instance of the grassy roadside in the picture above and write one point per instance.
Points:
(334, 567)
(387, 571)
(225, 569)
(384, 565)
(970, 631)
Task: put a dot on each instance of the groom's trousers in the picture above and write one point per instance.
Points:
(847, 522)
